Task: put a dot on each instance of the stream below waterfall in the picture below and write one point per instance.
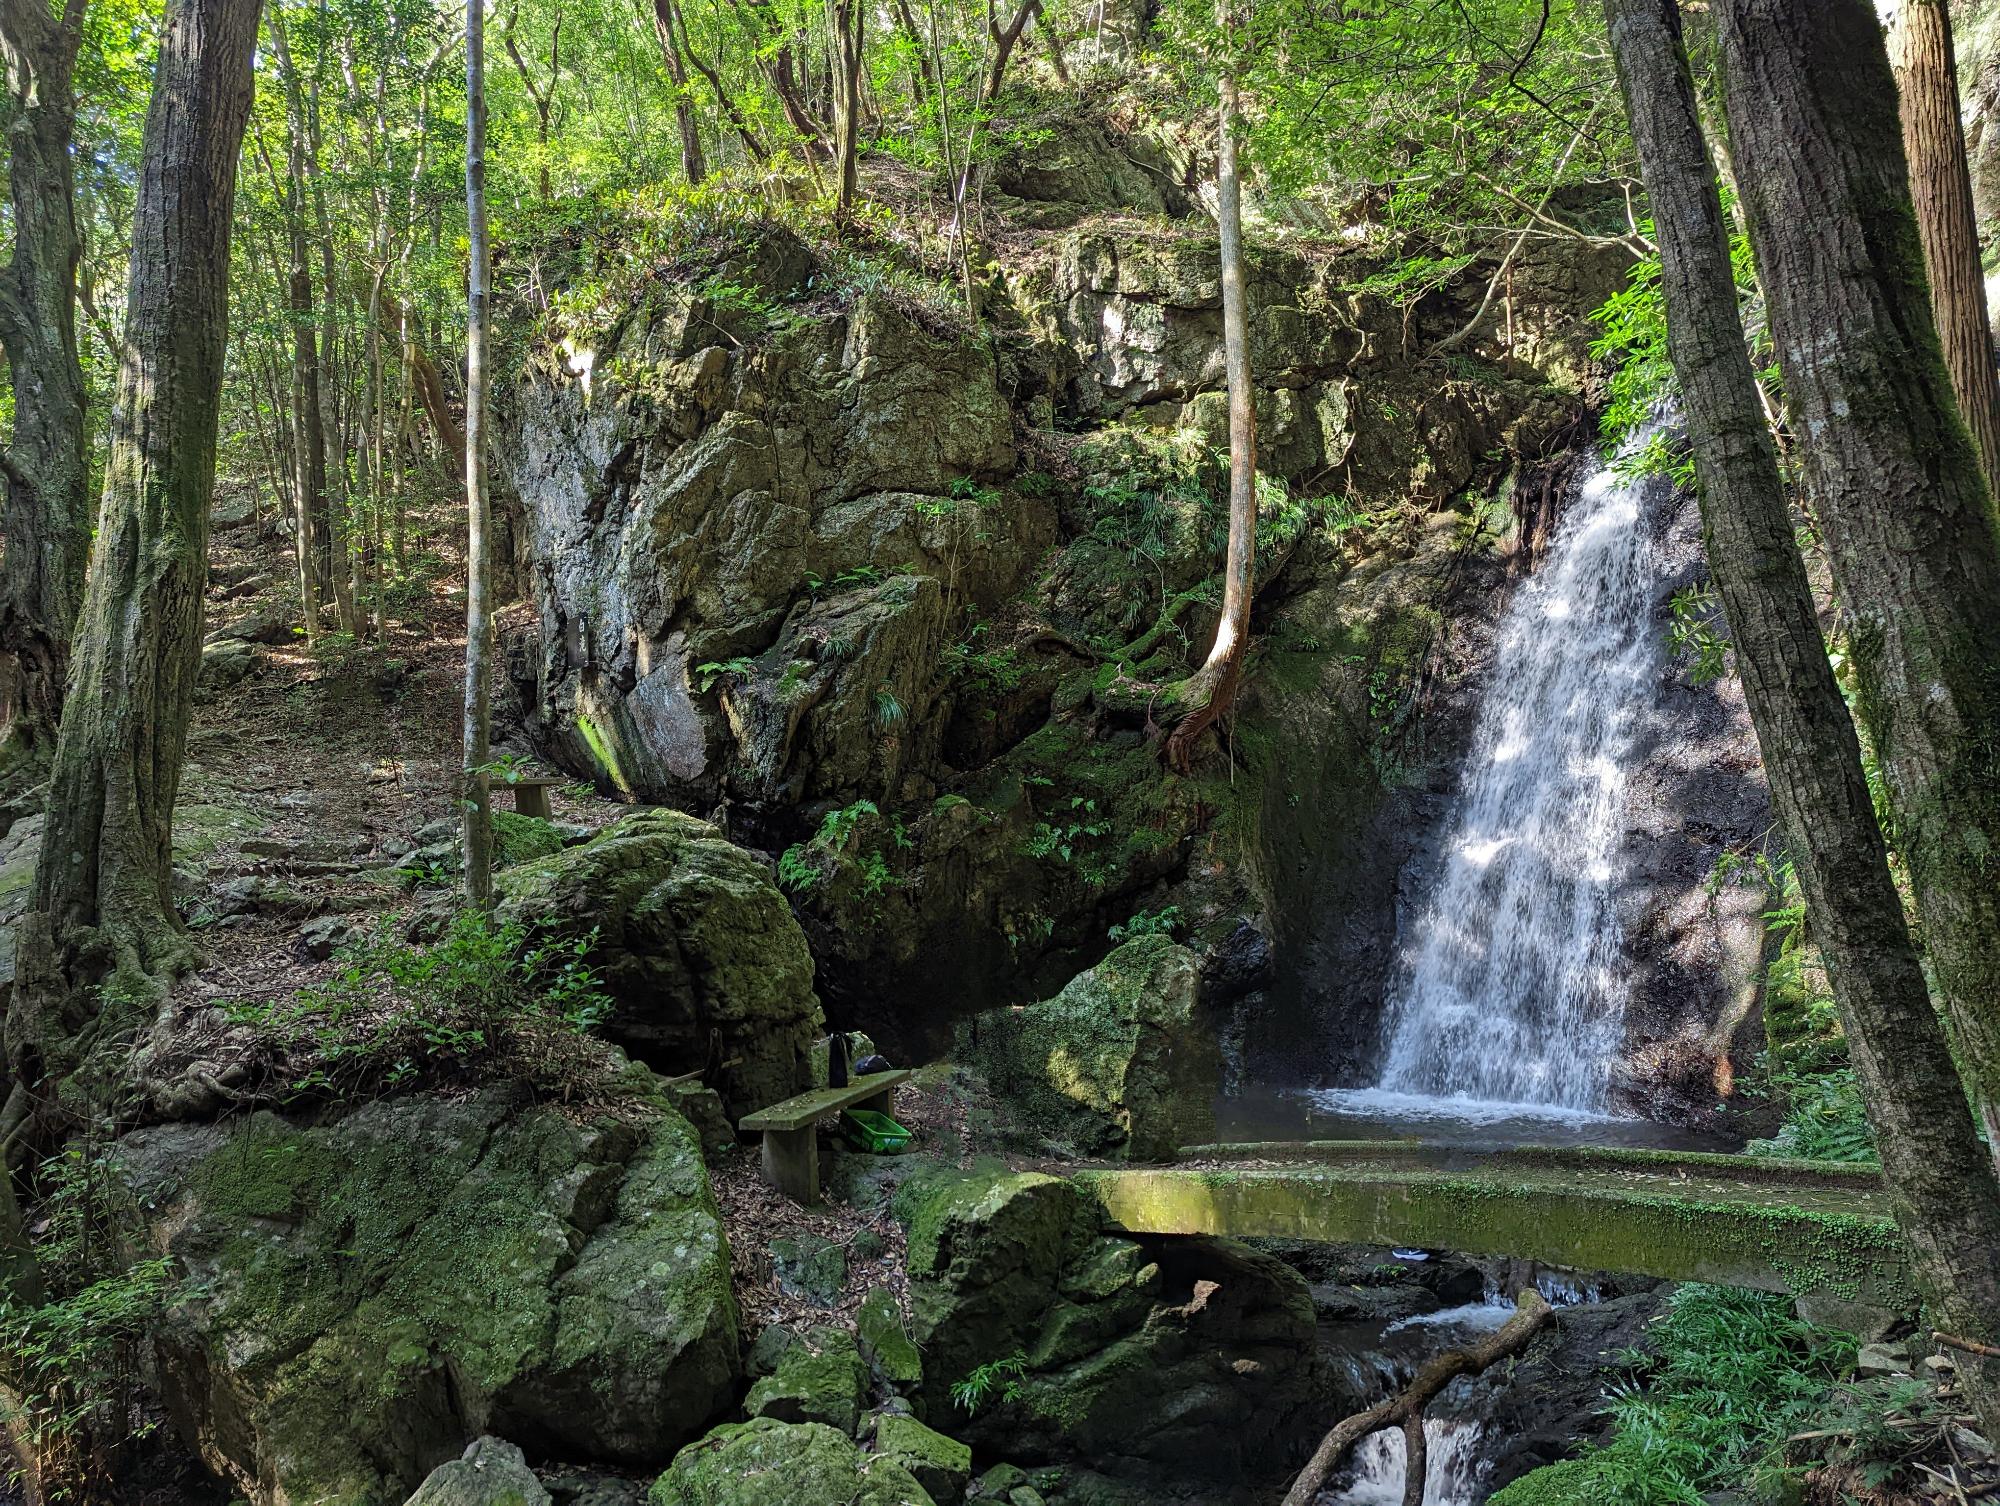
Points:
(1382, 1357)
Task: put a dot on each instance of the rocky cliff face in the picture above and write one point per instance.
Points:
(855, 580)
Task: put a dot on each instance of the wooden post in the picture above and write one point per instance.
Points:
(791, 1162)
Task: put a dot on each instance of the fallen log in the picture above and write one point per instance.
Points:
(1531, 1315)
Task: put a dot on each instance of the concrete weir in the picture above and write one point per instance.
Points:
(1817, 1230)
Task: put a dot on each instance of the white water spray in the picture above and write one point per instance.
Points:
(1453, 1475)
(1512, 986)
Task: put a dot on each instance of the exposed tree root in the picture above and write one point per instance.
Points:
(1531, 1314)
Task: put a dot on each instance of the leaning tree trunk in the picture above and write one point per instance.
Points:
(1207, 693)
(477, 789)
(45, 515)
(1896, 482)
(1941, 189)
(104, 886)
(1947, 1201)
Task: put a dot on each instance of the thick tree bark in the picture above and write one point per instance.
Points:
(1207, 693)
(477, 791)
(1895, 481)
(1941, 189)
(45, 516)
(104, 886)
(849, 19)
(1947, 1201)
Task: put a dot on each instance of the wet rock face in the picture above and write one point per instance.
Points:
(692, 938)
(1122, 1062)
(1168, 1365)
(368, 1297)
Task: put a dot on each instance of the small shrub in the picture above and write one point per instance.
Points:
(487, 999)
(1161, 922)
(75, 1356)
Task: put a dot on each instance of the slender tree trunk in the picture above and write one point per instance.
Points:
(309, 516)
(1896, 483)
(103, 906)
(1947, 1201)
(477, 793)
(1208, 692)
(694, 166)
(725, 101)
(45, 514)
(849, 17)
(1941, 189)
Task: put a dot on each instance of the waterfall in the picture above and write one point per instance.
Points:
(1453, 1473)
(1511, 986)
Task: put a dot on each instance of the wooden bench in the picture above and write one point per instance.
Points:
(531, 793)
(791, 1140)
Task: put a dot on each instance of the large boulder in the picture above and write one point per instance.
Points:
(695, 944)
(1121, 1062)
(366, 1297)
(764, 1462)
(1182, 1361)
(750, 535)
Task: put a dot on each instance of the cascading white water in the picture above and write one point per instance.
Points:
(1454, 1472)
(1512, 985)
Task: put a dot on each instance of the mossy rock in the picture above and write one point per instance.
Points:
(366, 1297)
(522, 839)
(820, 1378)
(810, 1267)
(943, 1466)
(768, 1463)
(886, 1344)
(692, 938)
(491, 1473)
(1119, 1063)
(986, 1254)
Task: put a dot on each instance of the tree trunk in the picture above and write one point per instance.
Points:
(45, 515)
(104, 885)
(725, 101)
(849, 18)
(310, 523)
(1947, 1201)
(477, 792)
(694, 166)
(1896, 483)
(1941, 189)
(1208, 692)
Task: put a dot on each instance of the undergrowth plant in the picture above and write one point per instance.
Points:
(1736, 1374)
(996, 1380)
(74, 1391)
(488, 998)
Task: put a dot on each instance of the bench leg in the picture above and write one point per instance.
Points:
(532, 800)
(880, 1103)
(791, 1163)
